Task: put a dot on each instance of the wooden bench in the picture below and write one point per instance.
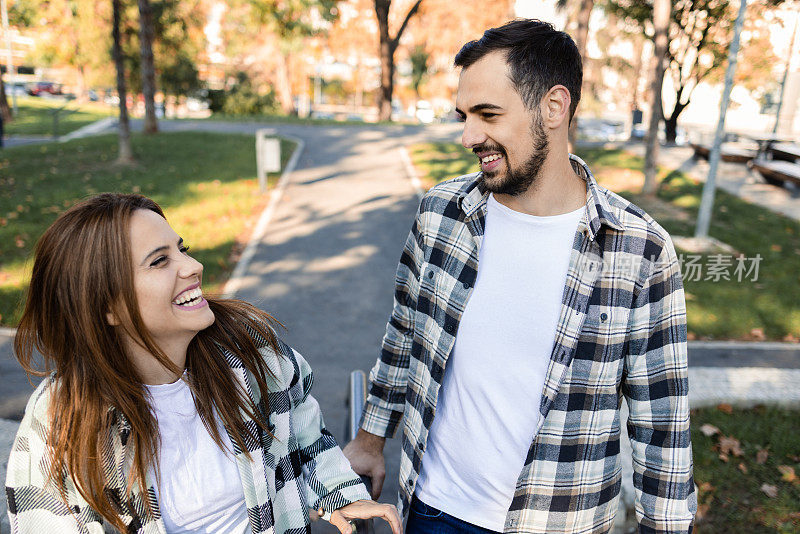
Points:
(777, 172)
(731, 154)
(785, 151)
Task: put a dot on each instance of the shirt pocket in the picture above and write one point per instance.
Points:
(604, 334)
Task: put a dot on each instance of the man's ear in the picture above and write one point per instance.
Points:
(556, 106)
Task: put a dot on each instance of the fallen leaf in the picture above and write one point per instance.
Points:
(742, 468)
(769, 490)
(761, 456)
(776, 248)
(788, 473)
(729, 445)
(793, 458)
(709, 430)
(758, 335)
(723, 457)
(724, 407)
(706, 487)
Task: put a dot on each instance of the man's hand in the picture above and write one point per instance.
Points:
(365, 454)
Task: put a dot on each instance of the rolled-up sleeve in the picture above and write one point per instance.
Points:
(389, 377)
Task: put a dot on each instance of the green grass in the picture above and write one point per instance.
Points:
(730, 498)
(35, 116)
(205, 182)
(765, 308)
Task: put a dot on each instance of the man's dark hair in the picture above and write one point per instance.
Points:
(539, 57)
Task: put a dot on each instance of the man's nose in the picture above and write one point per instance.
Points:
(472, 135)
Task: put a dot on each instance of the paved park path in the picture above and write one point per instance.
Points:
(325, 268)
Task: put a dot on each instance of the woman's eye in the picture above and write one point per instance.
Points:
(184, 249)
(158, 261)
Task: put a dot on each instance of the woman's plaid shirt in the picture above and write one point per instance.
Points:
(621, 334)
(295, 466)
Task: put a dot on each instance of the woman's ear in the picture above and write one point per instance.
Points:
(112, 319)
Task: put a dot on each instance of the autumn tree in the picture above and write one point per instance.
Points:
(146, 31)
(662, 10)
(388, 47)
(289, 23)
(74, 33)
(125, 156)
(699, 35)
(581, 13)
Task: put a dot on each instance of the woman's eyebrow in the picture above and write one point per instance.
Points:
(153, 252)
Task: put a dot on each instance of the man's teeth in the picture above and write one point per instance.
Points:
(188, 296)
(493, 157)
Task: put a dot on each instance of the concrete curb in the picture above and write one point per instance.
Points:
(234, 283)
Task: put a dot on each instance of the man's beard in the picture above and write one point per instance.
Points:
(517, 181)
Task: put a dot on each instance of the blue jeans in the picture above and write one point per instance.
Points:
(424, 519)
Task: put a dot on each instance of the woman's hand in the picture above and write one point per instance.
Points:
(365, 510)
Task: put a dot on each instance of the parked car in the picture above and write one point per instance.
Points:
(41, 88)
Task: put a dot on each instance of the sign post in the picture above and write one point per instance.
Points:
(268, 155)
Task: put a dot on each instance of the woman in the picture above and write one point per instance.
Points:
(168, 411)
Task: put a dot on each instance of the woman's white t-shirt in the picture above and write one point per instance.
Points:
(200, 490)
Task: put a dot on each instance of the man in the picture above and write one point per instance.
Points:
(529, 301)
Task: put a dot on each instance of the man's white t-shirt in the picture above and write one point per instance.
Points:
(200, 490)
(488, 405)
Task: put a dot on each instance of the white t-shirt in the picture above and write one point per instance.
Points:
(488, 405)
(200, 490)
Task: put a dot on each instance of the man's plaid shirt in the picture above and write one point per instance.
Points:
(621, 333)
(294, 466)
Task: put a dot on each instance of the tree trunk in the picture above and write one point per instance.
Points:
(387, 82)
(581, 40)
(125, 152)
(148, 66)
(388, 46)
(671, 122)
(661, 16)
(5, 110)
(284, 84)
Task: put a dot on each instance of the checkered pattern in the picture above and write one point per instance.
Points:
(301, 466)
(621, 334)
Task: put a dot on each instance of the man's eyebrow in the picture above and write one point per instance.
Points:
(482, 107)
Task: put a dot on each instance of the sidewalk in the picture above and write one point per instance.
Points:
(735, 178)
(325, 268)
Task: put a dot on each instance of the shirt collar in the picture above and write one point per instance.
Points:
(599, 212)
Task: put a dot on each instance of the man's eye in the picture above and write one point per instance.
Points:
(461, 118)
(488, 115)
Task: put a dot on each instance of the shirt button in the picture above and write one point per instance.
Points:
(466, 285)
(409, 483)
(603, 317)
(449, 329)
(421, 447)
(430, 274)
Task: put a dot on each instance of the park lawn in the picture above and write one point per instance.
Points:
(730, 474)
(35, 116)
(205, 182)
(755, 308)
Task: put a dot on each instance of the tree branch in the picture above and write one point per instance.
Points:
(411, 13)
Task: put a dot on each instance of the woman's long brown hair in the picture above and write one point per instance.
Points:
(83, 270)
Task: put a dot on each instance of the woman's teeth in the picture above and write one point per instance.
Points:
(188, 297)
